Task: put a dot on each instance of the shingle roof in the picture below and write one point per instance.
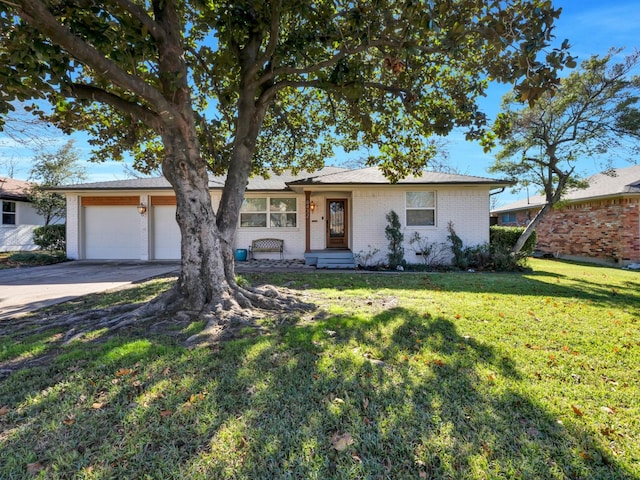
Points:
(619, 181)
(12, 189)
(325, 176)
(374, 176)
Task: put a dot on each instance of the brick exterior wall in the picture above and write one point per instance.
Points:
(602, 230)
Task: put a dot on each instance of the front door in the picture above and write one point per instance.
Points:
(337, 222)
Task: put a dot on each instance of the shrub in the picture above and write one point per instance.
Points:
(394, 234)
(494, 256)
(37, 258)
(432, 253)
(505, 238)
(50, 237)
(368, 258)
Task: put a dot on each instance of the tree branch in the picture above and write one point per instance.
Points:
(88, 92)
(156, 31)
(38, 15)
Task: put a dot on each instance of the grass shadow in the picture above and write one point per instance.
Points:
(400, 394)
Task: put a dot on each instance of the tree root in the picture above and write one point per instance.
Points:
(239, 309)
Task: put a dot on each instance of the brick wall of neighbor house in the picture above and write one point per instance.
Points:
(606, 230)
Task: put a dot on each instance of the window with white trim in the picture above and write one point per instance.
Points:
(8, 213)
(420, 209)
(281, 212)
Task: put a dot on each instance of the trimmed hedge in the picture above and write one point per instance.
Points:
(506, 237)
(51, 237)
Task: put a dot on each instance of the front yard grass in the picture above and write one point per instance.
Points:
(454, 375)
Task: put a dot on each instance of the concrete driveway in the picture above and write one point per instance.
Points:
(26, 289)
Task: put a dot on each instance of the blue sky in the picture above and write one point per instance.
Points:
(592, 27)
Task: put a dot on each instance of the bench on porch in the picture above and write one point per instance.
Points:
(266, 245)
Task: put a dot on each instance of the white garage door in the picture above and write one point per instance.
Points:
(111, 232)
(166, 233)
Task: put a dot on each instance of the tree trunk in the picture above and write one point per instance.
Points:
(202, 282)
(530, 229)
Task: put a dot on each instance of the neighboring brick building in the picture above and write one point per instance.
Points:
(600, 223)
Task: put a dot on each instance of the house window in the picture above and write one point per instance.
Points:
(8, 213)
(421, 209)
(282, 212)
(508, 217)
(253, 212)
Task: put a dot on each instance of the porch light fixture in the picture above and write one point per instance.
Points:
(312, 206)
(142, 208)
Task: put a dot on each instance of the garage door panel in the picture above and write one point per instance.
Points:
(111, 233)
(166, 233)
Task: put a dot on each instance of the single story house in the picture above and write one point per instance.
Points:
(314, 214)
(19, 218)
(600, 223)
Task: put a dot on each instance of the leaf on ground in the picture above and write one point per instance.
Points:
(341, 442)
(608, 410)
(4, 410)
(123, 371)
(34, 468)
(166, 413)
(97, 405)
(166, 371)
(355, 457)
(585, 456)
(365, 403)
(607, 432)
(70, 420)
(577, 411)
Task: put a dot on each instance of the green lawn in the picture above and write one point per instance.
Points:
(454, 375)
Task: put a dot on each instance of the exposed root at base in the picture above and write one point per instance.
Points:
(232, 317)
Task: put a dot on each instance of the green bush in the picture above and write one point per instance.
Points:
(495, 256)
(504, 238)
(37, 258)
(393, 232)
(50, 237)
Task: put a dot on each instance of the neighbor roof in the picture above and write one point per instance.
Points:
(12, 189)
(616, 182)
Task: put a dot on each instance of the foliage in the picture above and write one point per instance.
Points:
(393, 233)
(36, 258)
(433, 254)
(496, 256)
(371, 62)
(506, 238)
(368, 258)
(51, 170)
(418, 376)
(457, 249)
(51, 237)
(594, 112)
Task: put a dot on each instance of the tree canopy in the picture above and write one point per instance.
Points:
(593, 113)
(246, 86)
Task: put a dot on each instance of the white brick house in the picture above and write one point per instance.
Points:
(328, 210)
(19, 218)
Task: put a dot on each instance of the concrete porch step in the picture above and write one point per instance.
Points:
(342, 259)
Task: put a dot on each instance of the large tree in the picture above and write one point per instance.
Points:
(242, 87)
(593, 113)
